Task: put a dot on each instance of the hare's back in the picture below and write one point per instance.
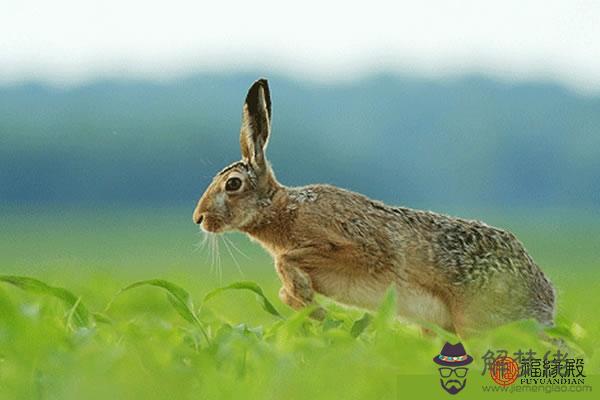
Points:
(473, 250)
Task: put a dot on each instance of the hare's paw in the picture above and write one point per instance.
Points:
(289, 299)
(319, 313)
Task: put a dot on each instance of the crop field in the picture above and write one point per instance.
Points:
(124, 304)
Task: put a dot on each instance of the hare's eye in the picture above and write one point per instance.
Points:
(233, 184)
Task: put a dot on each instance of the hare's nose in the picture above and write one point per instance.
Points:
(198, 217)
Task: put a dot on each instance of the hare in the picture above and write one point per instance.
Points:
(461, 275)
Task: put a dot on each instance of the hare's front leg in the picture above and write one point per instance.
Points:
(297, 291)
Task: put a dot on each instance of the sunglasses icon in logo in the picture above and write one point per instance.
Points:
(459, 372)
(453, 374)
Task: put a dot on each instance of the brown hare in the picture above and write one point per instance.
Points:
(459, 274)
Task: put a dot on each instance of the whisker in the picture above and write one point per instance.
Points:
(239, 268)
(210, 253)
(236, 248)
(200, 246)
(213, 250)
(219, 266)
(210, 243)
(207, 249)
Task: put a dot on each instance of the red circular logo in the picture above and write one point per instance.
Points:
(504, 371)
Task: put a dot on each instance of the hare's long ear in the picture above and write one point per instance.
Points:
(256, 124)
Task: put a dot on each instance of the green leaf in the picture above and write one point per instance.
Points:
(179, 298)
(78, 312)
(102, 318)
(247, 285)
(184, 311)
(330, 323)
(360, 325)
(386, 312)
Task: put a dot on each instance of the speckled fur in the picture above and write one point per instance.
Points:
(460, 274)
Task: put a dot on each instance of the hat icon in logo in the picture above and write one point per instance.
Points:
(453, 373)
(453, 355)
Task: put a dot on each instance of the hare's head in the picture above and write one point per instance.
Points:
(236, 195)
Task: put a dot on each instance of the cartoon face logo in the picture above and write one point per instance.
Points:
(453, 373)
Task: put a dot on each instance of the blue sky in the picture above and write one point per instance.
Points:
(67, 42)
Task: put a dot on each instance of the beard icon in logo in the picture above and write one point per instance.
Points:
(453, 371)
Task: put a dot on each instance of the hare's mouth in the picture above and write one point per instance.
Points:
(212, 223)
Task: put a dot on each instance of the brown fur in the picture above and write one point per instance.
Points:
(459, 274)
